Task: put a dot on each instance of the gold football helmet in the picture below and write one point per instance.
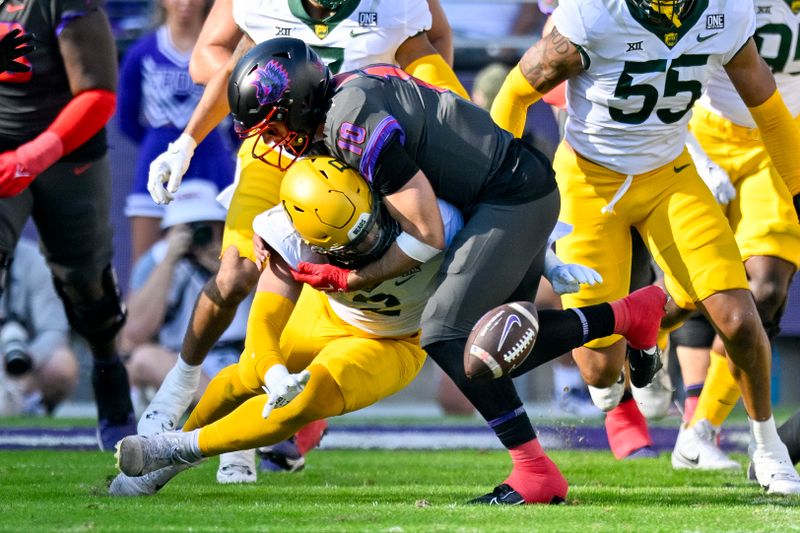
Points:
(334, 210)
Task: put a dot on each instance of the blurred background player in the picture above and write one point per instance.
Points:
(53, 166)
(329, 354)
(391, 32)
(40, 369)
(760, 212)
(605, 184)
(164, 286)
(156, 99)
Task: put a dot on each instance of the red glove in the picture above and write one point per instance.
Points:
(326, 278)
(20, 167)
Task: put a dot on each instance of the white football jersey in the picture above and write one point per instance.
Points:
(359, 34)
(778, 40)
(391, 309)
(629, 109)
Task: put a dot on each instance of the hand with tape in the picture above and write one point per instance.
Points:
(169, 167)
(282, 387)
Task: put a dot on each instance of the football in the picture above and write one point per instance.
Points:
(501, 340)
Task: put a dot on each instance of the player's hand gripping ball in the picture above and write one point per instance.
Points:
(501, 340)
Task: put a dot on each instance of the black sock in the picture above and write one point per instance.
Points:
(495, 399)
(111, 390)
(789, 432)
(563, 331)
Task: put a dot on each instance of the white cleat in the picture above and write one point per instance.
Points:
(696, 448)
(237, 467)
(145, 485)
(609, 397)
(138, 455)
(655, 399)
(154, 422)
(774, 470)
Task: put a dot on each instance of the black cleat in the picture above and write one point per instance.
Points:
(501, 495)
(644, 364)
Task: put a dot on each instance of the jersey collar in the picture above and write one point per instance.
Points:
(671, 37)
(298, 10)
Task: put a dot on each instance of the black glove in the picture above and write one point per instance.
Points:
(13, 45)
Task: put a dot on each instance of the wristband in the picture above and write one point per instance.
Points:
(416, 249)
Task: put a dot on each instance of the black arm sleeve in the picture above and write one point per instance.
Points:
(393, 169)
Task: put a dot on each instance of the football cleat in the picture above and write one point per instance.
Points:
(696, 448)
(138, 455)
(644, 364)
(774, 470)
(237, 467)
(111, 430)
(655, 399)
(645, 452)
(501, 495)
(504, 494)
(607, 398)
(145, 485)
(282, 457)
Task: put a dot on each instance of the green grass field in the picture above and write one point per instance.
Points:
(391, 491)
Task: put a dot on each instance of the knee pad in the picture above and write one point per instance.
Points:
(98, 320)
(697, 332)
(608, 398)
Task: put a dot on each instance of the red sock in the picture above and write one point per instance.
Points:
(689, 405)
(626, 428)
(535, 476)
(638, 316)
(309, 436)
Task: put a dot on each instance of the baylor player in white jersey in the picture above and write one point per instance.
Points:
(357, 34)
(647, 79)
(633, 70)
(385, 30)
(761, 216)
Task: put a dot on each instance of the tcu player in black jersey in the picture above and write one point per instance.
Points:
(53, 166)
(413, 143)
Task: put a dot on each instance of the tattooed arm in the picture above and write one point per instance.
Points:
(543, 66)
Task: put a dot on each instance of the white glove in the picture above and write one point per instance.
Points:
(282, 387)
(715, 178)
(169, 168)
(567, 279)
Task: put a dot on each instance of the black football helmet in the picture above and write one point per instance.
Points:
(662, 14)
(280, 80)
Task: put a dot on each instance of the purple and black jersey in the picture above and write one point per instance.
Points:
(30, 101)
(383, 111)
